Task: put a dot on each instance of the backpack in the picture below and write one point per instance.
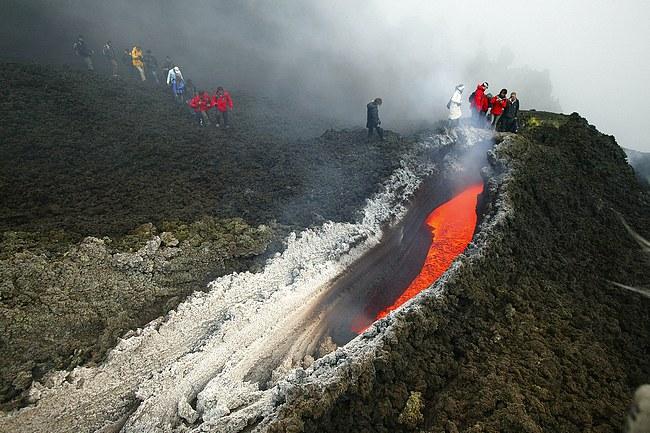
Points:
(472, 97)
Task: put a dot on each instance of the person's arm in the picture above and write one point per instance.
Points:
(229, 101)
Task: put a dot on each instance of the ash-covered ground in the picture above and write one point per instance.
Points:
(170, 206)
(526, 332)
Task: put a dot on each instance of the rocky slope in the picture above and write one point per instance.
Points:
(526, 332)
(87, 155)
(530, 333)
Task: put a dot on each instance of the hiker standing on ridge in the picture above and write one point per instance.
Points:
(151, 65)
(498, 105)
(454, 106)
(373, 121)
(223, 102)
(177, 83)
(81, 49)
(138, 64)
(509, 117)
(484, 110)
(477, 101)
(109, 55)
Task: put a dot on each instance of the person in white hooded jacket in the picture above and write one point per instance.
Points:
(454, 106)
(177, 83)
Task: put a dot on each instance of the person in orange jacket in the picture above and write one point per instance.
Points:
(223, 102)
(201, 103)
(498, 104)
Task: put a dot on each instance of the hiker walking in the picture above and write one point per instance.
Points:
(454, 106)
(373, 122)
(81, 49)
(223, 102)
(109, 55)
(508, 121)
(138, 64)
(201, 103)
(498, 104)
(177, 83)
(151, 65)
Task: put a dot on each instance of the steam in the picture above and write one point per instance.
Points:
(332, 57)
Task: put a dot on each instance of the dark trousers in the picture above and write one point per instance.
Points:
(508, 124)
(223, 118)
(380, 132)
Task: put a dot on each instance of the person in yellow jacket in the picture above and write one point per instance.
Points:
(136, 57)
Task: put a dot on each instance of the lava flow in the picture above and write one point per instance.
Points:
(452, 226)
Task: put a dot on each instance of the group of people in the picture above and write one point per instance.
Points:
(144, 66)
(497, 112)
(203, 103)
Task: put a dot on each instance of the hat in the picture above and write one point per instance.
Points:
(485, 84)
(461, 87)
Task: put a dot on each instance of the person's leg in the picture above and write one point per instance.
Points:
(141, 71)
(206, 119)
(380, 132)
(114, 67)
(226, 119)
(370, 132)
(154, 73)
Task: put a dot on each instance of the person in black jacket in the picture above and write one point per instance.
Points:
(508, 122)
(151, 65)
(81, 49)
(109, 55)
(373, 121)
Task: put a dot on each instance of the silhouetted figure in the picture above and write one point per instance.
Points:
(509, 122)
(151, 65)
(81, 49)
(453, 105)
(373, 122)
(111, 58)
(497, 105)
(223, 102)
(138, 64)
(177, 83)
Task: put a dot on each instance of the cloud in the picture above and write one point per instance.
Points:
(332, 57)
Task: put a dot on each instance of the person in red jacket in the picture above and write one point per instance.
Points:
(498, 104)
(478, 101)
(223, 102)
(201, 103)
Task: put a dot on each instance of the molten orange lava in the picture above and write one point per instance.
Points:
(452, 226)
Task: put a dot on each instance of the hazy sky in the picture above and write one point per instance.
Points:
(333, 56)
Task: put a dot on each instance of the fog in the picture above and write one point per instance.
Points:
(332, 57)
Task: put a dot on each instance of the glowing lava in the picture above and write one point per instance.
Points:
(452, 226)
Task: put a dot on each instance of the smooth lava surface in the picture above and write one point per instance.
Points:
(452, 227)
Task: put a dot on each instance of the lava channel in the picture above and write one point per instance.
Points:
(452, 226)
